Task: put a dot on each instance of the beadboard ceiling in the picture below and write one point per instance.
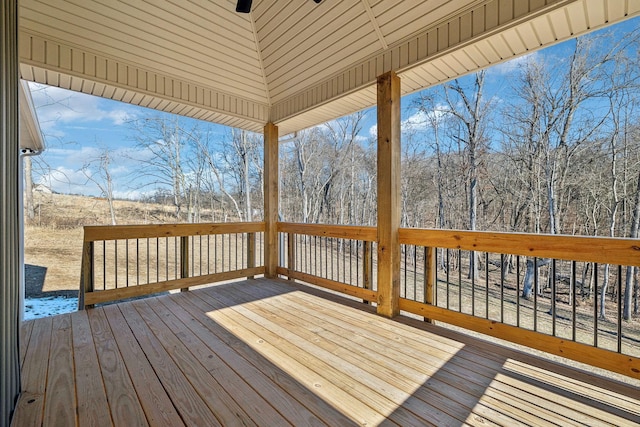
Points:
(292, 62)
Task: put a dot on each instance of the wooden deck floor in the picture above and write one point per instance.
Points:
(268, 353)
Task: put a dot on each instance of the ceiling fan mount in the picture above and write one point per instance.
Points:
(244, 6)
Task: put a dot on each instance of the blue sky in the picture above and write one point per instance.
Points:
(77, 127)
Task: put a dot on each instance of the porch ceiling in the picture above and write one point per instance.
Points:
(293, 62)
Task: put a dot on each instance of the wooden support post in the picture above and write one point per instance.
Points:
(429, 276)
(184, 259)
(271, 187)
(366, 267)
(291, 253)
(251, 251)
(86, 274)
(388, 194)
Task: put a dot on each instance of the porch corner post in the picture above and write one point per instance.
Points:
(388, 194)
(271, 199)
(9, 212)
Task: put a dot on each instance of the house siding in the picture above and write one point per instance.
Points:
(9, 240)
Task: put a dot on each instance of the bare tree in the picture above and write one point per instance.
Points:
(97, 170)
(161, 141)
(470, 108)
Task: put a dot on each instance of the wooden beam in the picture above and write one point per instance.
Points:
(353, 232)
(120, 232)
(388, 194)
(603, 250)
(343, 288)
(109, 295)
(271, 188)
(86, 274)
(184, 259)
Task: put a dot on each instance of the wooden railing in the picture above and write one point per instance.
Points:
(120, 262)
(339, 258)
(564, 275)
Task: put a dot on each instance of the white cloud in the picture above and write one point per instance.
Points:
(415, 122)
(512, 65)
(74, 156)
(69, 181)
(373, 131)
(131, 194)
(418, 121)
(55, 105)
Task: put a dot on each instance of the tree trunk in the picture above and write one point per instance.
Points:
(527, 286)
(629, 282)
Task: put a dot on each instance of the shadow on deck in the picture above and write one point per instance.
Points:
(268, 352)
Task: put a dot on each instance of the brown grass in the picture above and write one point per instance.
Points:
(53, 239)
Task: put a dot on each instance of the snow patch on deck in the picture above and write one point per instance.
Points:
(35, 308)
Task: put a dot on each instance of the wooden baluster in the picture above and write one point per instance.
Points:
(291, 253)
(184, 259)
(251, 251)
(429, 276)
(366, 267)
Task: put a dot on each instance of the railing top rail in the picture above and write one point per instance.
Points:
(354, 232)
(119, 232)
(604, 250)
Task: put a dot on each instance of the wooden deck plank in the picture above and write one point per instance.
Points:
(266, 352)
(155, 402)
(30, 408)
(60, 404)
(361, 383)
(293, 364)
(553, 412)
(25, 336)
(493, 363)
(453, 397)
(193, 410)
(89, 384)
(430, 407)
(123, 400)
(268, 380)
(232, 382)
(204, 379)
(550, 379)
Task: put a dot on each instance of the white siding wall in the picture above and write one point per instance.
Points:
(9, 247)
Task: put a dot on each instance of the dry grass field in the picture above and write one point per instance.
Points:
(53, 239)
